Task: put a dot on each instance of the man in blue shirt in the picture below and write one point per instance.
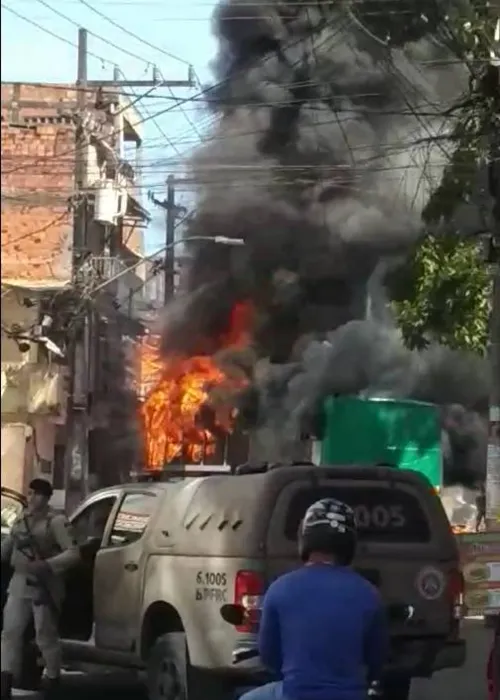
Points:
(323, 628)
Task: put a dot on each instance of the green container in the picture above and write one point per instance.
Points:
(370, 431)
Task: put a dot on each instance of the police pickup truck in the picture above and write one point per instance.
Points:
(160, 557)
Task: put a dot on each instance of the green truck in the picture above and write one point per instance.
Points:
(366, 431)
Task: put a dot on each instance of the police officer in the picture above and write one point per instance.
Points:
(40, 549)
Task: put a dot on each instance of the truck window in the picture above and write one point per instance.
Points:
(132, 518)
(91, 522)
(389, 515)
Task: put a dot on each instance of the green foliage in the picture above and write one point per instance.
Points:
(443, 294)
(471, 36)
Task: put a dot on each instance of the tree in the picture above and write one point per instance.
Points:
(443, 292)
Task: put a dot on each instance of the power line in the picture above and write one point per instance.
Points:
(204, 93)
(150, 117)
(53, 34)
(146, 43)
(74, 151)
(155, 121)
(207, 3)
(31, 234)
(223, 102)
(188, 118)
(96, 36)
(389, 146)
(132, 34)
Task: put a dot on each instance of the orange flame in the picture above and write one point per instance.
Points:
(169, 413)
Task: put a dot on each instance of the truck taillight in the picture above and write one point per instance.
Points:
(248, 590)
(456, 592)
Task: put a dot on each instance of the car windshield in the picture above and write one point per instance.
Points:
(11, 508)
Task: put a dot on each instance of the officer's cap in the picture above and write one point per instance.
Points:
(41, 486)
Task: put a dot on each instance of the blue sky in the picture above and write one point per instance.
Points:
(183, 30)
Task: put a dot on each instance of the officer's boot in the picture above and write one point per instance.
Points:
(6, 685)
(50, 688)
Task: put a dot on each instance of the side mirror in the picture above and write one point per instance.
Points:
(233, 614)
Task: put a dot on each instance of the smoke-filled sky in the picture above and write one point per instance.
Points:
(328, 144)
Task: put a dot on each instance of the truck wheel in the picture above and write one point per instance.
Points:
(167, 668)
(170, 675)
(30, 673)
(396, 689)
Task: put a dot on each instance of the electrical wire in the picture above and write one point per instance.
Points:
(154, 120)
(382, 150)
(53, 34)
(248, 3)
(77, 149)
(189, 99)
(200, 94)
(135, 36)
(36, 232)
(349, 112)
(146, 43)
(96, 36)
(239, 102)
(186, 115)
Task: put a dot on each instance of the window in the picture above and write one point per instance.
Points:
(91, 522)
(132, 518)
(382, 514)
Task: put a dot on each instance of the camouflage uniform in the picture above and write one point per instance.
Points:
(54, 544)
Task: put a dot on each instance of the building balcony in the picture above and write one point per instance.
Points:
(104, 268)
(33, 389)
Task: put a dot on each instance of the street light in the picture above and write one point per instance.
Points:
(218, 240)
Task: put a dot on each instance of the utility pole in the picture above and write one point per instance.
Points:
(82, 341)
(493, 461)
(173, 211)
(76, 457)
(170, 217)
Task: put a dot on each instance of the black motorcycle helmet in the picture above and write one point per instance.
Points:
(329, 527)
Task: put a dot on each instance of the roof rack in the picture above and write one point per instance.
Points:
(179, 471)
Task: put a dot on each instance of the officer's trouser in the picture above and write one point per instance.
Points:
(16, 617)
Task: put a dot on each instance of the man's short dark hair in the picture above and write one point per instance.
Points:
(42, 486)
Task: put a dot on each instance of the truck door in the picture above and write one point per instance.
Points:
(119, 571)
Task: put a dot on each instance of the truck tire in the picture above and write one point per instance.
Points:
(167, 668)
(396, 688)
(170, 675)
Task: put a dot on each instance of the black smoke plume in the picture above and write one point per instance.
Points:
(330, 136)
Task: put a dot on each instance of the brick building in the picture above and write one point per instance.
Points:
(38, 132)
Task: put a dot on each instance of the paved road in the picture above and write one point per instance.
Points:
(467, 683)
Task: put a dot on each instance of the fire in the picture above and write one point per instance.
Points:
(170, 411)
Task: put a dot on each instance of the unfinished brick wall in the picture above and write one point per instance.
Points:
(133, 236)
(38, 155)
